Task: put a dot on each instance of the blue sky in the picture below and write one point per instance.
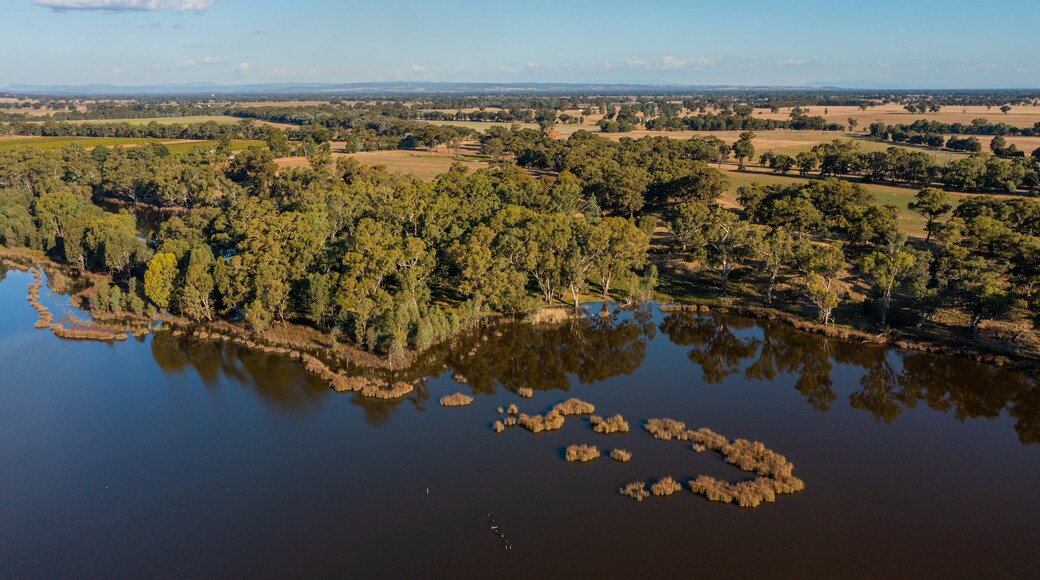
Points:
(907, 43)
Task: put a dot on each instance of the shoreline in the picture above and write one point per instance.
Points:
(338, 365)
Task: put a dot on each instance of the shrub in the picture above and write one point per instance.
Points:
(456, 400)
(574, 407)
(665, 486)
(635, 490)
(582, 453)
(615, 424)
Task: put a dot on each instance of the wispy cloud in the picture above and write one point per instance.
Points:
(128, 5)
(188, 64)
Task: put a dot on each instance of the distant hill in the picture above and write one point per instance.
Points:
(350, 89)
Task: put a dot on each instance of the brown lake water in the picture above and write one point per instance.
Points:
(162, 457)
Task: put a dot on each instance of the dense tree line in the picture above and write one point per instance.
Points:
(385, 261)
(898, 165)
(727, 121)
(903, 132)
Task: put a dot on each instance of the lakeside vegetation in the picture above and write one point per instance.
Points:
(391, 265)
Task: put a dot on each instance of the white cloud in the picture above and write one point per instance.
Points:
(791, 62)
(128, 5)
(188, 64)
(242, 68)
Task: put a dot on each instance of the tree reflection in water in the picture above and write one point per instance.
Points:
(594, 348)
(893, 380)
(588, 349)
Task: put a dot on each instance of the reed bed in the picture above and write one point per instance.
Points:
(581, 453)
(552, 420)
(615, 424)
(15, 265)
(46, 319)
(665, 486)
(635, 490)
(456, 400)
(574, 407)
(774, 471)
(365, 386)
(621, 455)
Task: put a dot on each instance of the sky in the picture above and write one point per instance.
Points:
(881, 43)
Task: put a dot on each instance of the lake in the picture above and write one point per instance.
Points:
(166, 457)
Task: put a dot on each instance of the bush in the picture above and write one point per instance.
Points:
(582, 453)
(456, 400)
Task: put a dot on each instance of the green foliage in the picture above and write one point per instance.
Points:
(159, 279)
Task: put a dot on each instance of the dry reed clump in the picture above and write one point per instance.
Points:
(510, 421)
(774, 470)
(574, 407)
(498, 427)
(615, 424)
(365, 386)
(635, 490)
(83, 334)
(665, 486)
(525, 392)
(582, 453)
(456, 400)
(666, 429)
(622, 455)
(551, 421)
(501, 411)
(15, 265)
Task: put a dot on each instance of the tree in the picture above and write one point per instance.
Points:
(727, 240)
(887, 271)
(998, 145)
(819, 291)
(979, 287)
(775, 249)
(686, 221)
(195, 300)
(617, 246)
(159, 279)
(806, 162)
(743, 149)
(932, 203)
(853, 122)
(1005, 109)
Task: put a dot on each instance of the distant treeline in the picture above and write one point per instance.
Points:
(725, 121)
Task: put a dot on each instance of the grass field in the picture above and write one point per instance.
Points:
(894, 114)
(910, 223)
(423, 164)
(219, 119)
(54, 143)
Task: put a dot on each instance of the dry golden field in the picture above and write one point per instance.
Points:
(423, 164)
(894, 114)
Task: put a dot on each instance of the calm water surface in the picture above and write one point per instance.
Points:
(163, 457)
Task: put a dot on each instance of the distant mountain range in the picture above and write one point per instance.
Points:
(327, 90)
(376, 88)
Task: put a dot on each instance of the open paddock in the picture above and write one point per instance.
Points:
(425, 165)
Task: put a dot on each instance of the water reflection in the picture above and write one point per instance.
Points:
(595, 348)
(548, 357)
(270, 377)
(892, 380)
